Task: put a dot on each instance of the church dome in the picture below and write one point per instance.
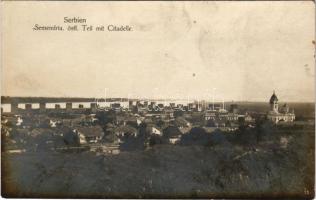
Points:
(273, 98)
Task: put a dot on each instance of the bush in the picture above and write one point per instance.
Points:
(196, 136)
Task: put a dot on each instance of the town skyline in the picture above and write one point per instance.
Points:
(210, 98)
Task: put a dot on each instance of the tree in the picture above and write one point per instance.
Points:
(196, 136)
(217, 137)
(210, 123)
(155, 139)
(71, 138)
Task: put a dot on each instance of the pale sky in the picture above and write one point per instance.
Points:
(176, 49)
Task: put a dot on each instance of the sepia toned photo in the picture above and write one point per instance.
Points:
(152, 99)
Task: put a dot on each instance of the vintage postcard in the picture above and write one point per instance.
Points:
(152, 99)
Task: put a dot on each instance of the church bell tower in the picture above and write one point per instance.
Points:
(274, 103)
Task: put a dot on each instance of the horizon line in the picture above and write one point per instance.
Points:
(156, 99)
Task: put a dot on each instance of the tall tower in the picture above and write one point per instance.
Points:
(274, 103)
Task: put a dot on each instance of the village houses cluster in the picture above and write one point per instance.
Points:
(107, 129)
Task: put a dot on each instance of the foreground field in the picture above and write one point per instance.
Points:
(224, 170)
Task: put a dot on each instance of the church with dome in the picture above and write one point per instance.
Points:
(277, 114)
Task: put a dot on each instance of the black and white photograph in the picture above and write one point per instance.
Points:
(153, 99)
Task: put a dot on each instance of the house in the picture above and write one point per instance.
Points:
(105, 149)
(52, 123)
(172, 105)
(220, 123)
(15, 120)
(148, 120)
(125, 131)
(81, 137)
(169, 113)
(209, 115)
(172, 134)
(180, 107)
(138, 121)
(19, 120)
(116, 107)
(67, 122)
(63, 130)
(36, 132)
(142, 108)
(69, 135)
(191, 106)
(248, 118)
(160, 107)
(5, 130)
(232, 116)
(222, 114)
(44, 137)
(155, 130)
(233, 108)
(91, 134)
(88, 120)
(124, 119)
(181, 122)
(183, 125)
(92, 118)
(152, 129)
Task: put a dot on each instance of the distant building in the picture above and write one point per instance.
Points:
(179, 107)
(233, 108)
(125, 131)
(160, 107)
(142, 108)
(92, 134)
(248, 118)
(276, 115)
(191, 106)
(172, 134)
(210, 115)
(116, 106)
(153, 130)
(232, 116)
(169, 113)
(152, 104)
(172, 105)
(19, 120)
(52, 123)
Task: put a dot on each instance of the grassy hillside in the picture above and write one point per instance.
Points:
(223, 170)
